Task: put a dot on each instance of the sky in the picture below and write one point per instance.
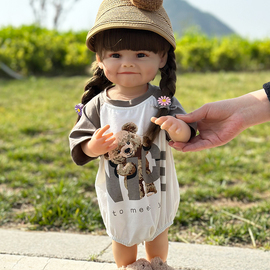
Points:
(248, 18)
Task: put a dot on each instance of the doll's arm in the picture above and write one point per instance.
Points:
(100, 143)
(179, 131)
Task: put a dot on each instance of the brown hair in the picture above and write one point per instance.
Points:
(135, 40)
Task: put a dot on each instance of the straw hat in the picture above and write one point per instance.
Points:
(134, 14)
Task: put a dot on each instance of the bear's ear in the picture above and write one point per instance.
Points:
(130, 127)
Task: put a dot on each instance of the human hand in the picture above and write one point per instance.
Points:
(217, 122)
(178, 130)
(100, 143)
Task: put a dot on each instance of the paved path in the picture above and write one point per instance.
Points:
(20, 250)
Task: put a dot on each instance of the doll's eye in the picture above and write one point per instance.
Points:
(115, 55)
(141, 55)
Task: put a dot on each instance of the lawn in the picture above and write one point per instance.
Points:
(225, 192)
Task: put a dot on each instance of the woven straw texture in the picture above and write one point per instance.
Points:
(123, 14)
(150, 5)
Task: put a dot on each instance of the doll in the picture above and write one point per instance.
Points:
(127, 123)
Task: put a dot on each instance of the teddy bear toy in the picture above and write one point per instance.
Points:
(130, 144)
(143, 264)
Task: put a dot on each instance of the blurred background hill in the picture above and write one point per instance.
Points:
(184, 16)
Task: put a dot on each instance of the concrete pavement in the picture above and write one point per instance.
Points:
(25, 250)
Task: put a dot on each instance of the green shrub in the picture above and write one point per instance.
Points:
(197, 52)
(230, 53)
(39, 51)
(35, 50)
(193, 52)
(264, 53)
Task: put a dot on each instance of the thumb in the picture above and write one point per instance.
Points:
(194, 116)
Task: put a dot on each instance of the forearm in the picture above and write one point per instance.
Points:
(254, 108)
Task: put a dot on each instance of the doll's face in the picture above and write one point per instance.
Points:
(128, 68)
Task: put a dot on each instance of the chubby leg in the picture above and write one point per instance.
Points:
(158, 247)
(123, 255)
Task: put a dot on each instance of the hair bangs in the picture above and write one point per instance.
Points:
(130, 39)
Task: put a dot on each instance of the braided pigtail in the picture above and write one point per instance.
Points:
(95, 85)
(168, 75)
(168, 87)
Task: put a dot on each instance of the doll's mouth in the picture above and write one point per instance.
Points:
(127, 73)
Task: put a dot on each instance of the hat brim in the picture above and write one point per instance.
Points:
(132, 18)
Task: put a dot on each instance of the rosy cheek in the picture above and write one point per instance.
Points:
(106, 72)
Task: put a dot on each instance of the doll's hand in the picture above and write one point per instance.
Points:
(100, 143)
(179, 131)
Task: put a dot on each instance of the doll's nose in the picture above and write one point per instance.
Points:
(128, 64)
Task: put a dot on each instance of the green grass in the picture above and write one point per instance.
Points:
(225, 192)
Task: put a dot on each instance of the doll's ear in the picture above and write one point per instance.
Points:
(163, 61)
(100, 64)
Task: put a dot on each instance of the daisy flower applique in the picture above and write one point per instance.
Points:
(78, 109)
(164, 102)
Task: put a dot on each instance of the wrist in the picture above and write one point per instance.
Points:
(266, 88)
(86, 149)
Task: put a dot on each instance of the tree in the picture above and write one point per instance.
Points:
(61, 8)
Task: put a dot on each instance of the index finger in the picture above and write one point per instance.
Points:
(101, 131)
(160, 120)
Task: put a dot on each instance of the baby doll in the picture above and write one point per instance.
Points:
(132, 40)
